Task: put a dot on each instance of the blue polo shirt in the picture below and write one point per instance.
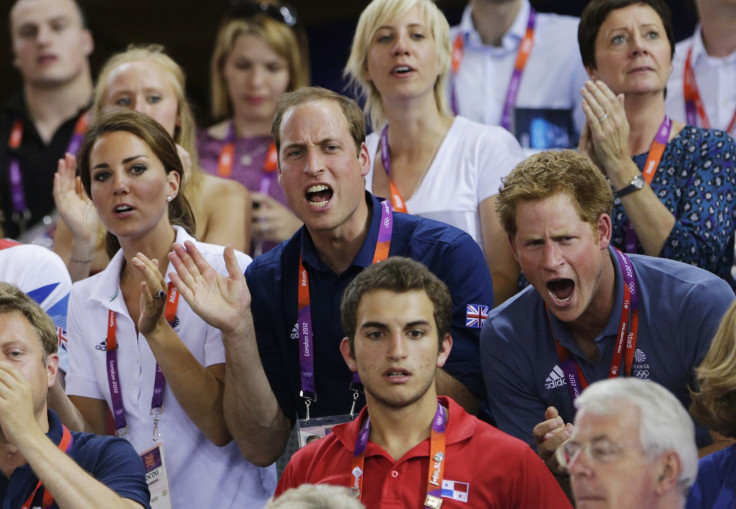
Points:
(451, 254)
(680, 308)
(715, 487)
(110, 460)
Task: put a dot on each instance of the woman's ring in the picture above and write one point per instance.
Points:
(604, 117)
(160, 295)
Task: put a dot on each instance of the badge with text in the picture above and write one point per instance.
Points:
(156, 478)
(318, 427)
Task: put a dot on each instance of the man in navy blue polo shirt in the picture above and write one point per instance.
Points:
(591, 312)
(42, 463)
(297, 287)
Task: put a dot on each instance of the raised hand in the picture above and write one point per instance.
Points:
(72, 202)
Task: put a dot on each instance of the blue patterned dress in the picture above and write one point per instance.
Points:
(696, 181)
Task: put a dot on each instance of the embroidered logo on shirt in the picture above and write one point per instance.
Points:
(640, 368)
(455, 490)
(475, 315)
(555, 379)
(102, 346)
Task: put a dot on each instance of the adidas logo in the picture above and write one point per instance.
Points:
(555, 379)
(102, 346)
(295, 332)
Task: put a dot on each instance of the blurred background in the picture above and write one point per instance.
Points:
(187, 28)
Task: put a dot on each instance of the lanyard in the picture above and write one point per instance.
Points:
(397, 201)
(650, 168)
(628, 329)
(227, 159)
(694, 106)
(436, 459)
(113, 377)
(306, 329)
(525, 48)
(21, 213)
(48, 500)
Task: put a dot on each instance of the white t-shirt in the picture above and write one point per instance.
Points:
(467, 169)
(716, 80)
(41, 274)
(200, 473)
(551, 79)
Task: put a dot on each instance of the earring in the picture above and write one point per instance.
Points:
(169, 198)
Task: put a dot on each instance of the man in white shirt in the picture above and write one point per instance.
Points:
(540, 104)
(711, 55)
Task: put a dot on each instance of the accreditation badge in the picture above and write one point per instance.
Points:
(156, 478)
(315, 428)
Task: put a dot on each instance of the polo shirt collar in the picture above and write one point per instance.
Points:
(562, 333)
(700, 52)
(510, 40)
(54, 434)
(460, 426)
(106, 288)
(363, 259)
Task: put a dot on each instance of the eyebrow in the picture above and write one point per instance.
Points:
(125, 161)
(380, 325)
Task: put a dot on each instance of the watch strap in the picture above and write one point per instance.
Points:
(637, 183)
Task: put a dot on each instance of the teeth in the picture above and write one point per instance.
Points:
(318, 203)
(402, 69)
(123, 208)
(317, 188)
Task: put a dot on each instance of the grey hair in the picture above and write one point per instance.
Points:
(316, 496)
(664, 424)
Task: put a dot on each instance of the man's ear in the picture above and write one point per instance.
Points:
(605, 230)
(512, 243)
(667, 473)
(445, 349)
(347, 355)
(52, 368)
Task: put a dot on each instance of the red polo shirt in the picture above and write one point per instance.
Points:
(484, 468)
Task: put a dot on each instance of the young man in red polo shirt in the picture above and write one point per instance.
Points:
(408, 446)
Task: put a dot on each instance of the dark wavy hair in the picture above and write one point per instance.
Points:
(159, 141)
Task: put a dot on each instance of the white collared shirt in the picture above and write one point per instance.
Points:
(716, 80)
(552, 78)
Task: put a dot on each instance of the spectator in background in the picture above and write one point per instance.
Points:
(633, 446)
(701, 88)
(715, 405)
(51, 46)
(146, 79)
(675, 185)
(519, 69)
(426, 161)
(260, 53)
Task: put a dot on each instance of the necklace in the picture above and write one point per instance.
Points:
(251, 153)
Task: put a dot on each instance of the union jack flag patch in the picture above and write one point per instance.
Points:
(475, 315)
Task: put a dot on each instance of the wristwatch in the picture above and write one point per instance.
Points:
(637, 183)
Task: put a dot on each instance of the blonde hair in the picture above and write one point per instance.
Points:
(715, 404)
(290, 43)
(185, 132)
(374, 16)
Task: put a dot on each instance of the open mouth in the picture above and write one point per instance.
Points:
(561, 290)
(319, 195)
(123, 208)
(396, 374)
(402, 69)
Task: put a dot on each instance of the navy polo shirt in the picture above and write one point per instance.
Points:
(451, 254)
(680, 308)
(110, 460)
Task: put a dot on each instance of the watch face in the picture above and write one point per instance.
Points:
(638, 182)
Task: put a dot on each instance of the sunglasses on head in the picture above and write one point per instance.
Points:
(283, 13)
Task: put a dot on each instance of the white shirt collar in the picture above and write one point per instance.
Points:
(510, 40)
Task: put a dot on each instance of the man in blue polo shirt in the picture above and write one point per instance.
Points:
(591, 312)
(42, 463)
(297, 287)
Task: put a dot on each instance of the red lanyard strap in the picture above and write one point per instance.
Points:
(306, 328)
(694, 106)
(48, 500)
(437, 458)
(113, 374)
(226, 160)
(628, 329)
(512, 93)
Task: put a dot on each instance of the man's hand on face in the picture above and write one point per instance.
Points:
(16, 404)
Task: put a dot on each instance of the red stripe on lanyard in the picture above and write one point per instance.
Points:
(226, 160)
(650, 168)
(628, 328)
(113, 374)
(304, 313)
(48, 499)
(437, 458)
(525, 49)
(694, 106)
